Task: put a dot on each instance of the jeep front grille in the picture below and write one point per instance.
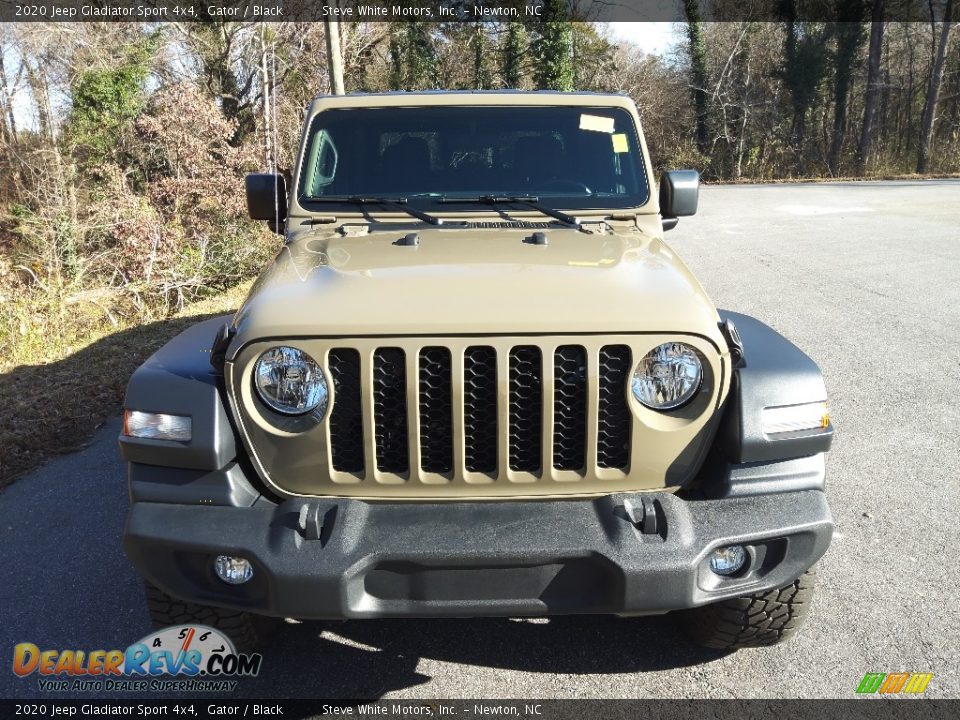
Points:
(450, 417)
(502, 414)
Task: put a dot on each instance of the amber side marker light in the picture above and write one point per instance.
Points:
(157, 426)
(794, 418)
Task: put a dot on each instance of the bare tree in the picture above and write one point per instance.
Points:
(7, 117)
(873, 85)
(933, 91)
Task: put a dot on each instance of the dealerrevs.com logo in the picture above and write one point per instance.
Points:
(189, 658)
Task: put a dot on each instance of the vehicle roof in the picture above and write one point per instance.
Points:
(471, 97)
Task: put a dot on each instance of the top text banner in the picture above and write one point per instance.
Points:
(530, 11)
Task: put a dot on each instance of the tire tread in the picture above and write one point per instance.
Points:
(248, 631)
(757, 620)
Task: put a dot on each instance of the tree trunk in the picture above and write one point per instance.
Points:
(10, 120)
(334, 56)
(265, 106)
(37, 82)
(698, 73)
(873, 86)
(396, 60)
(849, 35)
(933, 91)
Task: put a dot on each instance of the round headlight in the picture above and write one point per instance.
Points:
(290, 382)
(667, 376)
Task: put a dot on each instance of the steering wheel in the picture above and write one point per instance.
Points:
(566, 184)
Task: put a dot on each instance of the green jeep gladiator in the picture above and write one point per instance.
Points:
(476, 381)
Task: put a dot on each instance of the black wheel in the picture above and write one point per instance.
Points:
(249, 632)
(753, 621)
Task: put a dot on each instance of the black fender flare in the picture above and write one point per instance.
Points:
(179, 379)
(773, 372)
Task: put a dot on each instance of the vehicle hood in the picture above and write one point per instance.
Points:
(460, 281)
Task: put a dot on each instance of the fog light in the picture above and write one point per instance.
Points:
(728, 560)
(233, 570)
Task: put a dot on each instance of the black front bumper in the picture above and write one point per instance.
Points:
(478, 558)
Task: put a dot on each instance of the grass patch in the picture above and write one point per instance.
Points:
(55, 406)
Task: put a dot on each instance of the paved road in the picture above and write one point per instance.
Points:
(864, 277)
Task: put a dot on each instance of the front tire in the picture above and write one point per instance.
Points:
(249, 632)
(759, 620)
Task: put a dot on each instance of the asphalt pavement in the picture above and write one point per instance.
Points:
(865, 277)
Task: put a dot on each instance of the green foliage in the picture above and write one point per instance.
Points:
(698, 72)
(802, 71)
(553, 49)
(481, 69)
(105, 102)
(804, 63)
(514, 49)
(413, 57)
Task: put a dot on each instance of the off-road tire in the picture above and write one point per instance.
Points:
(249, 632)
(766, 618)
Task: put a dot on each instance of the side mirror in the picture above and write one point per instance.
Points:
(267, 198)
(679, 195)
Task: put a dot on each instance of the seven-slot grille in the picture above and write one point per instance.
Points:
(522, 400)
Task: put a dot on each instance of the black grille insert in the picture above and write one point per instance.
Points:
(569, 407)
(390, 410)
(614, 420)
(480, 409)
(346, 417)
(436, 410)
(526, 408)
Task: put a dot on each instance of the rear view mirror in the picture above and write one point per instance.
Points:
(679, 195)
(267, 198)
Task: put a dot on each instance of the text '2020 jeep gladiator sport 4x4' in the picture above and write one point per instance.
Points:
(475, 381)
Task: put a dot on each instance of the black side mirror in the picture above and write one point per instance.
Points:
(679, 195)
(267, 198)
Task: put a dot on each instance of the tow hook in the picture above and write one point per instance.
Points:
(642, 513)
(310, 522)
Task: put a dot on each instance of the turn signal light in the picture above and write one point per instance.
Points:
(157, 426)
(793, 418)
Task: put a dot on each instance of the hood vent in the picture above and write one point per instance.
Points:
(507, 224)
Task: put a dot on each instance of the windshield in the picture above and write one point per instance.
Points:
(567, 156)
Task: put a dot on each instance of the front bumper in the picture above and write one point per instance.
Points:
(374, 560)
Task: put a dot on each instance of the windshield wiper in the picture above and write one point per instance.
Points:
(531, 201)
(398, 202)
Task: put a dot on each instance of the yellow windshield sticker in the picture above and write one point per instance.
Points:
(620, 144)
(596, 123)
